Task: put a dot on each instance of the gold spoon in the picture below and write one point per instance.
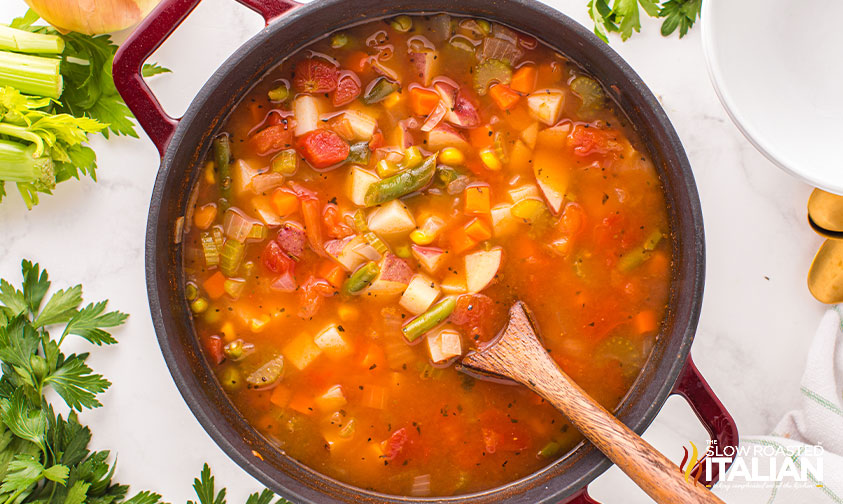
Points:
(518, 355)
(825, 213)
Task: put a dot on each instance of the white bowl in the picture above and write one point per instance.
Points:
(777, 67)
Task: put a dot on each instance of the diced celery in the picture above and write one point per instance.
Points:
(191, 291)
(359, 153)
(267, 374)
(234, 287)
(285, 162)
(258, 232)
(210, 249)
(231, 257)
(339, 40)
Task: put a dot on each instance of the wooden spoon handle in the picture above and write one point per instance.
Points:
(526, 361)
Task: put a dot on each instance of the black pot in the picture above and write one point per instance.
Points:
(184, 143)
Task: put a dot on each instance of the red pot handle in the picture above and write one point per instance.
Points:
(148, 36)
(717, 421)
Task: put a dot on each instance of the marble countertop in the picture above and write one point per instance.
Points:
(757, 315)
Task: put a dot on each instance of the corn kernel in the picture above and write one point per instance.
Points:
(386, 168)
(490, 160)
(228, 333)
(210, 176)
(348, 313)
(419, 237)
(451, 156)
(392, 100)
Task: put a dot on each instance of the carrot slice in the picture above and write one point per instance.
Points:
(504, 97)
(204, 216)
(303, 403)
(478, 230)
(280, 396)
(332, 272)
(285, 202)
(423, 101)
(524, 79)
(460, 241)
(477, 199)
(481, 137)
(646, 322)
(215, 285)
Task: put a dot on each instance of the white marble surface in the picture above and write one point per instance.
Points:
(757, 315)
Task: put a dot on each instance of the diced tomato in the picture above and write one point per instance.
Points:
(275, 259)
(348, 88)
(476, 315)
(376, 141)
(333, 220)
(608, 233)
(393, 445)
(214, 349)
(272, 139)
(573, 219)
(586, 140)
(500, 433)
(312, 293)
(322, 148)
(314, 75)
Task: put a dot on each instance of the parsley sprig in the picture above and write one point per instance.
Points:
(623, 16)
(44, 457)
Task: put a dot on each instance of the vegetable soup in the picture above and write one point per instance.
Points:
(376, 205)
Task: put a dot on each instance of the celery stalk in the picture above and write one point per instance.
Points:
(12, 39)
(34, 75)
(19, 164)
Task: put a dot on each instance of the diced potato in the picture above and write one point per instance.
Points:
(430, 258)
(362, 125)
(241, 177)
(443, 136)
(331, 341)
(331, 400)
(262, 206)
(359, 181)
(529, 135)
(394, 276)
(481, 268)
(444, 345)
(546, 105)
(301, 351)
(503, 223)
(552, 177)
(420, 294)
(306, 112)
(453, 284)
(553, 138)
(523, 192)
(391, 219)
(333, 439)
(521, 157)
(343, 251)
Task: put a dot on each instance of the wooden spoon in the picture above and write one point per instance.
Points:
(517, 354)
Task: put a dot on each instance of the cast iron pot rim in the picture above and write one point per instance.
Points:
(209, 415)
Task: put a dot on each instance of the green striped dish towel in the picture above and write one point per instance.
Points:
(802, 461)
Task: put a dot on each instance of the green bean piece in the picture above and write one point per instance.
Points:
(637, 256)
(230, 379)
(222, 158)
(359, 153)
(550, 450)
(191, 291)
(382, 88)
(231, 257)
(267, 374)
(339, 40)
(212, 316)
(403, 183)
(429, 319)
(361, 278)
(234, 350)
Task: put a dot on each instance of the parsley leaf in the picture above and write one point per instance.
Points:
(151, 69)
(76, 383)
(90, 321)
(60, 308)
(22, 419)
(624, 17)
(204, 487)
(35, 284)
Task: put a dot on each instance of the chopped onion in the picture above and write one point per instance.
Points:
(92, 17)
(367, 251)
(284, 283)
(421, 485)
(236, 225)
(265, 182)
(435, 117)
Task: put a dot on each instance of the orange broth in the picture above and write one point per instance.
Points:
(537, 177)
